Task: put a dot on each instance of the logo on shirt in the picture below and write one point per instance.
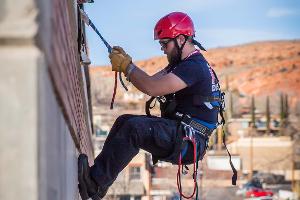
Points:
(215, 87)
(214, 84)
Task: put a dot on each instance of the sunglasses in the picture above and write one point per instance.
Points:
(164, 43)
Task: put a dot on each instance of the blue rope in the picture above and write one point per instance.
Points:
(109, 48)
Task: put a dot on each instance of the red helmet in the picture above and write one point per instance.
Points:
(174, 24)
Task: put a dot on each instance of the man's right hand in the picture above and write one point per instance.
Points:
(119, 59)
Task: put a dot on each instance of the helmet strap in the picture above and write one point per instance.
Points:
(195, 42)
(180, 48)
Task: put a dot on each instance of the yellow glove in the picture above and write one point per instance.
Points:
(119, 59)
(120, 49)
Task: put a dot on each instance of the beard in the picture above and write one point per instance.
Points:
(174, 57)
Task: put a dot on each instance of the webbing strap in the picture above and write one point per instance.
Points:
(148, 106)
(234, 176)
(222, 107)
(222, 116)
(200, 128)
(198, 44)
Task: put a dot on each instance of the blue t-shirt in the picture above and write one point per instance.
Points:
(200, 79)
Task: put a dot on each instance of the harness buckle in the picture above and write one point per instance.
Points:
(189, 131)
(195, 127)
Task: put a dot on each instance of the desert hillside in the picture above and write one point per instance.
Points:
(260, 69)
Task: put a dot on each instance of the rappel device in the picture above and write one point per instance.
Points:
(87, 20)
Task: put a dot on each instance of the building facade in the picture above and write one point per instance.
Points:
(45, 100)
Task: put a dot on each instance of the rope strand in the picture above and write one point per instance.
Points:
(115, 91)
(195, 164)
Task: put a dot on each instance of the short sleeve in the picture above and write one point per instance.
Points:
(190, 72)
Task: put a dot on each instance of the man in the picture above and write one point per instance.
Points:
(187, 86)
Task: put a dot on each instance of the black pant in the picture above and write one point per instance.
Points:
(130, 133)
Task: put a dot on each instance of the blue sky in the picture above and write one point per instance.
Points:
(218, 23)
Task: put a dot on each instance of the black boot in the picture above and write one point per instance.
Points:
(88, 188)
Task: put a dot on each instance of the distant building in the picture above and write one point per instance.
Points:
(269, 154)
(133, 183)
(134, 97)
(240, 126)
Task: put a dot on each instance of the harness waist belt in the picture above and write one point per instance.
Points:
(203, 130)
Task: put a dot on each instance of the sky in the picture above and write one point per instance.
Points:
(218, 23)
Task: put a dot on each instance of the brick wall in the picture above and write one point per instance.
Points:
(66, 74)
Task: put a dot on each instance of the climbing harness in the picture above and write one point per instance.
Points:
(192, 126)
(87, 20)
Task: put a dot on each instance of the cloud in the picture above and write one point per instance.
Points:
(197, 5)
(281, 12)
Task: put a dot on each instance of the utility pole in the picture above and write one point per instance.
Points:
(295, 163)
(251, 153)
(293, 168)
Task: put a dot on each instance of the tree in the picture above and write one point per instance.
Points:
(253, 112)
(286, 106)
(268, 116)
(284, 112)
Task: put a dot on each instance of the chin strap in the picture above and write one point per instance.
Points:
(180, 48)
(195, 42)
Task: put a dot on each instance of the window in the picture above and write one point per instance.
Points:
(124, 197)
(135, 173)
(101, 133)
(137, 197)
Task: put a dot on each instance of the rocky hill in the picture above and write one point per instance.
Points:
(260, 69)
